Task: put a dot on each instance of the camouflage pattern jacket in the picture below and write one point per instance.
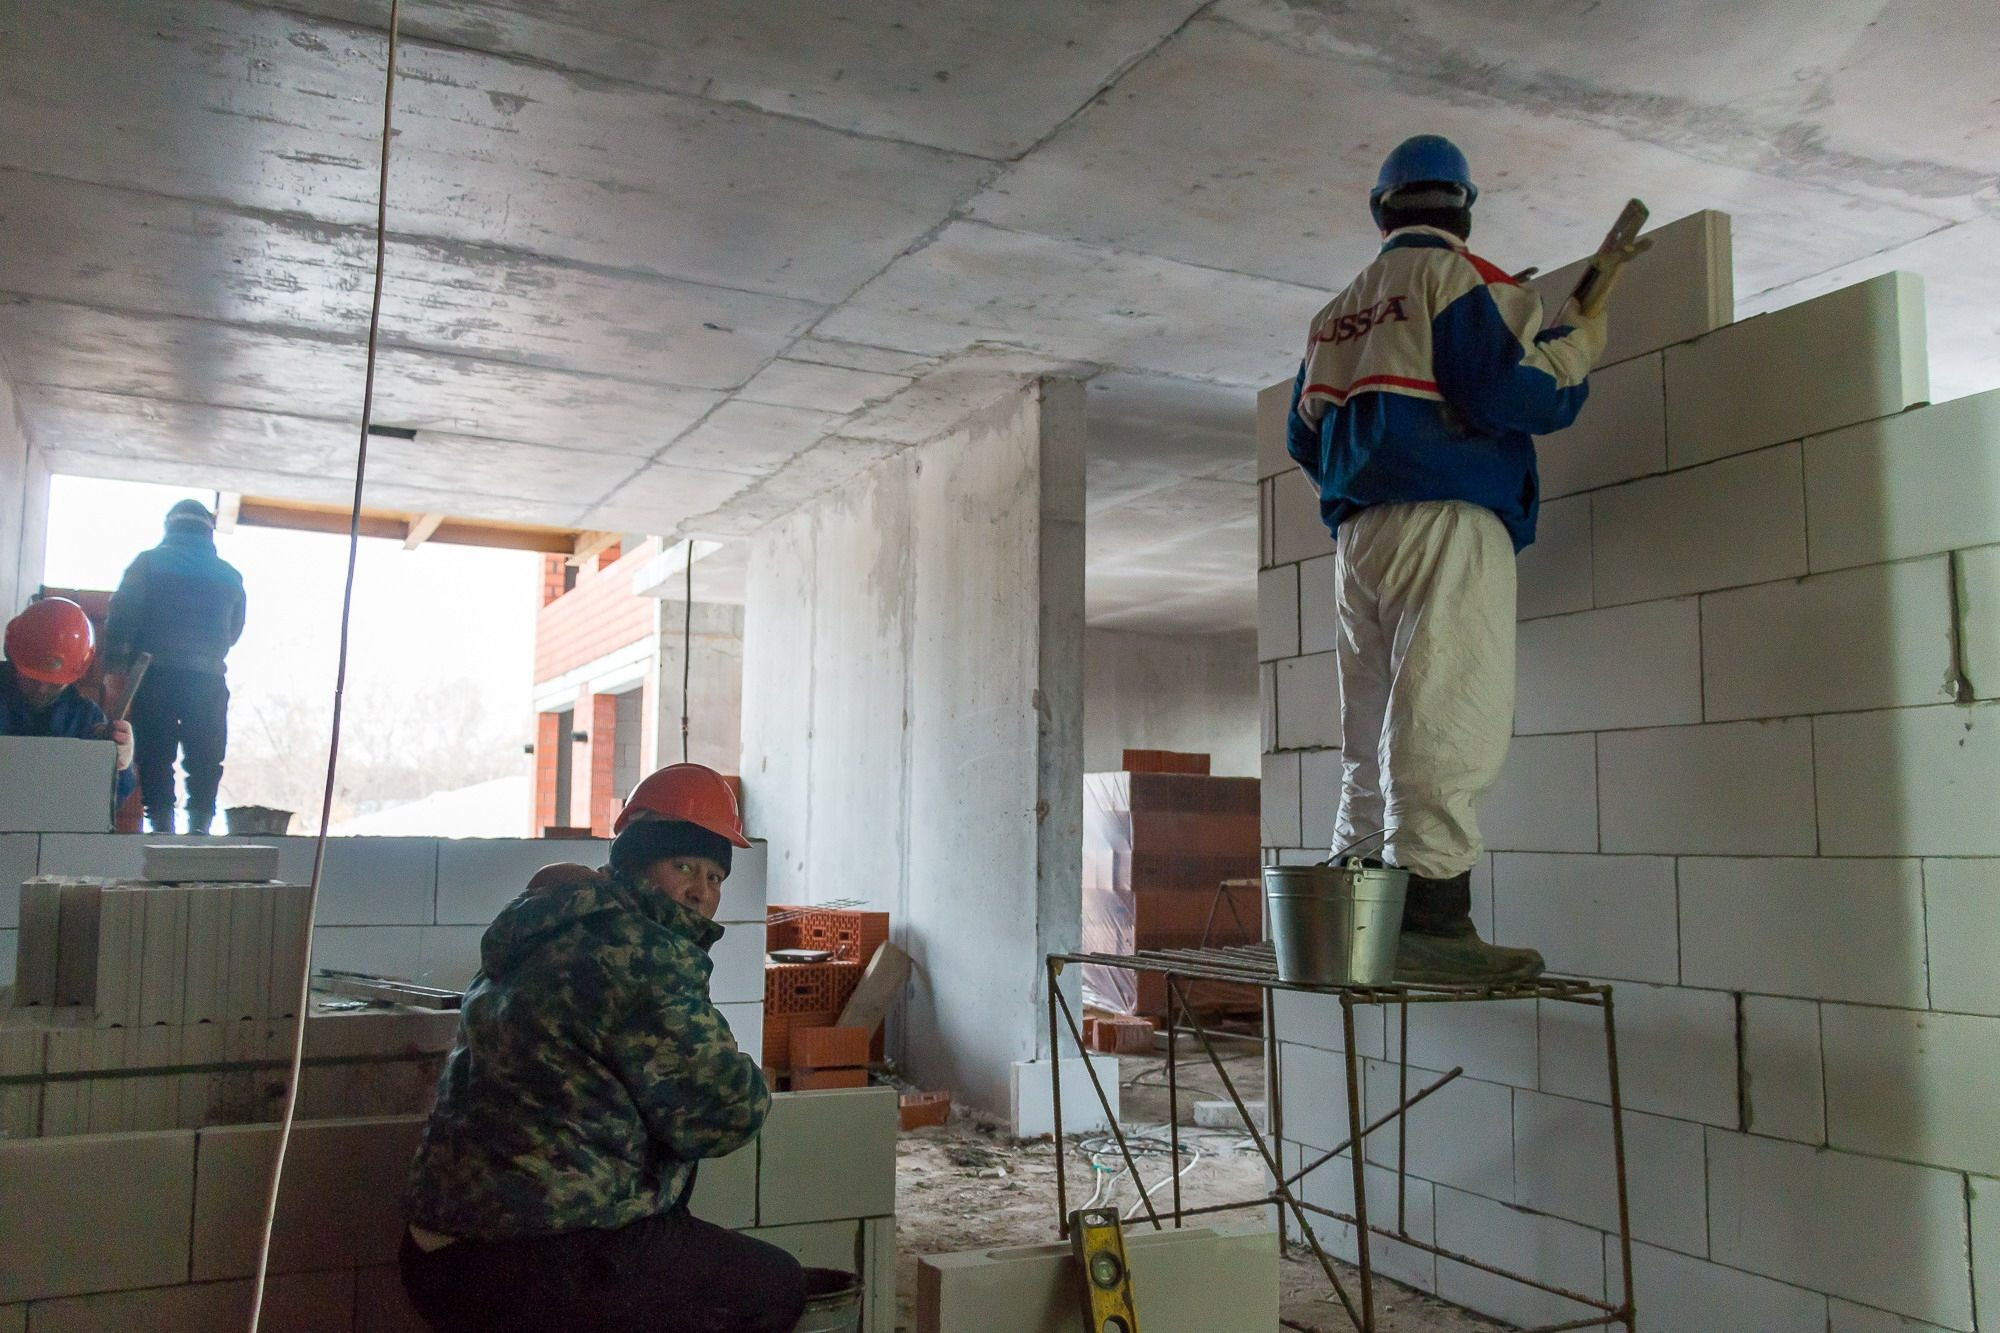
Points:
(590, 1072)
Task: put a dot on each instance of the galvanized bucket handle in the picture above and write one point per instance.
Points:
(1361, 841)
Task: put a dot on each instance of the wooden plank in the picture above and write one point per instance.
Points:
(881, 982)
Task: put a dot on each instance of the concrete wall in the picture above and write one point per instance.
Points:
(913, 719)
(1754, 783)
(715, 686)
(1195, 692)
(24, 506)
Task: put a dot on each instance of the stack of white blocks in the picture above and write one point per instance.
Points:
(1756, 783)
(412, 908)
(113, 1232)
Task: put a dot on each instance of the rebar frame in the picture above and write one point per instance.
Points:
(1256, 965)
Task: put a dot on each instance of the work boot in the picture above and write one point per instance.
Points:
(159, 822)
(1441, 947)
(200, 822)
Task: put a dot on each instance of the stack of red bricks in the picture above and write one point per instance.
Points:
(801, 996)
(829, 1057)
(1190, 833)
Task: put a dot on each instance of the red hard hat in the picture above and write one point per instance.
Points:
(693, 793)
(51, 642)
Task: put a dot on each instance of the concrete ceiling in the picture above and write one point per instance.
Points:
(680, 267)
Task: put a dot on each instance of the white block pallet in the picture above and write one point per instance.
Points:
(1754, 785)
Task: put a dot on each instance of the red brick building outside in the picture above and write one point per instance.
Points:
(596, 687)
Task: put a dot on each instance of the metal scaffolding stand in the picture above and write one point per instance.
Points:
(1255, 965)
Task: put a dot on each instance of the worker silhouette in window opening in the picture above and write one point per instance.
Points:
(183, 604)
(1422, 385)
(49, 649)
(591, 1075)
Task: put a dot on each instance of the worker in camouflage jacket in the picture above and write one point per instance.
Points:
(591, 1074)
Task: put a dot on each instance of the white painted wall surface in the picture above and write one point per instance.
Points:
(913, 719)
(1190, 692)
(1765, 806)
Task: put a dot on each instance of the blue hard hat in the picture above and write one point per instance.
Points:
(1419, 159)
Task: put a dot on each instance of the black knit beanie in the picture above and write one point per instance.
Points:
(649, 840)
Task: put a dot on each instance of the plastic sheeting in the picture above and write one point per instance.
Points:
(1110, 912)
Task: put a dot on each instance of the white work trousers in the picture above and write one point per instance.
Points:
(1425, 595)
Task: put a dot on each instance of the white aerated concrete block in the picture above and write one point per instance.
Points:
(1494, 1042)
(1676, 1052)
(1195, 1279)
(725, 1189)
(1297, 530)
(1784, 1088)
(1730, 788)
(746, 1025)
(738, 956)
(1731, 523)
(1912, 1085)
(1554, 572)
(1909, 781)
(1906, 485)
(294, 1302)
(1594, 916)
(476, 877)
(339, 1204)
(1620, 434)
(1564, 1164)
(1308, 702)
(1330, 1185)
(1978, 580)
(1765, 649)
(1274, 406)
(1461, 1135)
(18, 855)
(746, 891)
(448, 956)
(1884, 1234)
(1319, 605)
(878, 1271)
(1310, 1019)
(1629, 666)
(1817, 928)
(1851, 355)
(1319, 797)
(825, 1155)
(1267, 707)
(1847, 1317)
(1681, 288)
(107, 1212)
(1546, 797)
(1312, 1084)
(56, 785)
(1984, 1197)
(7, 950)
(1278, 613)
(1559, 1253)
(383, 951)
(1279, 796)
(379, 882)
(1682, 1295)
(1962, 922)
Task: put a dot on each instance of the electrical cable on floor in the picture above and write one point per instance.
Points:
(339, 681)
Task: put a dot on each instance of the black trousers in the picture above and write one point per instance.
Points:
(180, 714)
(671, 1273)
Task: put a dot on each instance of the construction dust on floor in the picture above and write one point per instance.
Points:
(965, 1185)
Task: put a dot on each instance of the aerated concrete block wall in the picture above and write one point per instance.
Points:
(1755, 783)
(912, 720)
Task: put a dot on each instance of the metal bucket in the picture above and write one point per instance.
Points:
(1336, 925)
(833, 1302)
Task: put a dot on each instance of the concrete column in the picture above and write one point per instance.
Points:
(715, 685)
(24, 507)
(913, 714)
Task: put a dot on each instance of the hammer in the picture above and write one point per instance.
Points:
(130, 688)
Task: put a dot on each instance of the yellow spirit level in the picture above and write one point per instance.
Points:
(1106, 1282)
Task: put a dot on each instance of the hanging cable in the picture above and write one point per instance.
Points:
(339, 681)
(687, 643)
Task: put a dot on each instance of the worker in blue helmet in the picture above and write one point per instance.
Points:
(1422, 387)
